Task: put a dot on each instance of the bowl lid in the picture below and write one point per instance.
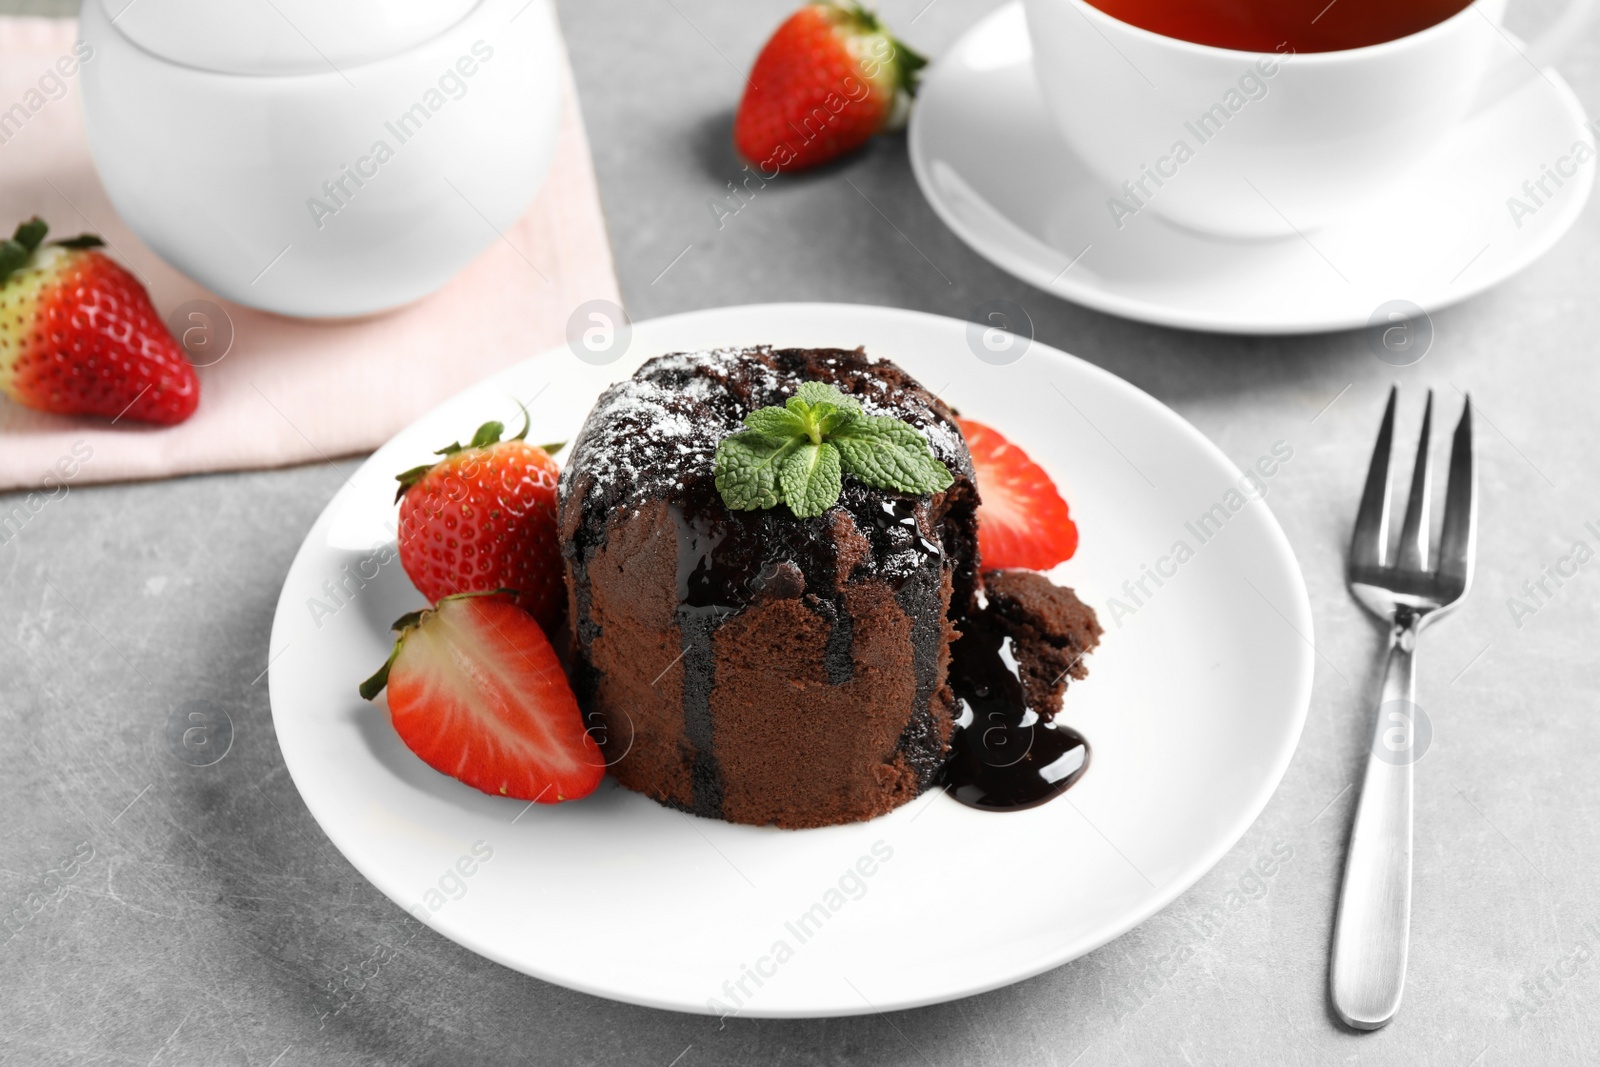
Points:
(277, 37)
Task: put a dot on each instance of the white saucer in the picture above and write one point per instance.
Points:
(1193, 706)
(992, 163)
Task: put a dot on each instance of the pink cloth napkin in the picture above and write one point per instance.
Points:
(288, 391)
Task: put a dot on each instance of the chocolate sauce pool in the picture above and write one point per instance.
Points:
(1003, 756)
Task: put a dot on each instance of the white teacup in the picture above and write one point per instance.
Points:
(321, 158)
(1248, 144)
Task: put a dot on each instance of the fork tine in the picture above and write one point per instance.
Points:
(1414, 532)
(1459, 537)
(1369, 544)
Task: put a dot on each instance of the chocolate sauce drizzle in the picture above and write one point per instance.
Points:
(728, 560)
(1004, 755)
(701, 590)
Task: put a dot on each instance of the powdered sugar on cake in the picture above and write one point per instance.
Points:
(684, 403)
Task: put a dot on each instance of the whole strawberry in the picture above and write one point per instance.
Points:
(79, 336)
(829, 79)
(484, 518)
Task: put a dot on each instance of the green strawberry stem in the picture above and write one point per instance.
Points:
(17, 250)
(31, 232)
(486, 435)
(908, 61)
(375, 685)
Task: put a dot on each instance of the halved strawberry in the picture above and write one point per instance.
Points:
(475, 690)
(1022, 520)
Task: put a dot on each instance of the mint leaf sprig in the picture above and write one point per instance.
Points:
(798, 454)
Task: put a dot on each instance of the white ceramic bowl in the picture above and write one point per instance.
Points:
(351, 167)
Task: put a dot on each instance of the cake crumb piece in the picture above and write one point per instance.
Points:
(1050, 628)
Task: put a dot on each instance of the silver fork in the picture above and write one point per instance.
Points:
(1368, 969)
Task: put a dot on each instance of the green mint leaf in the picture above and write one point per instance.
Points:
(822, 408)
(808, 412)
(824, 393)
(886, 453)
(810, 477)
(746, 470)
(798, 454)
(837, 421)
(780, 424)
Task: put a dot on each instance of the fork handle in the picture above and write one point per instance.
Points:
(1368, 969)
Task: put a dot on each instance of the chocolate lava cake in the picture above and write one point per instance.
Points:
(756, 666)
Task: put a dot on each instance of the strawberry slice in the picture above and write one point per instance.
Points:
(1022, 520)
(476, 691)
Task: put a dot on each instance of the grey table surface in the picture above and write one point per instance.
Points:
(196, 915)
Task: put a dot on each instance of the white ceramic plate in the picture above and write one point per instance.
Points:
(996, 169)
(1194, 704)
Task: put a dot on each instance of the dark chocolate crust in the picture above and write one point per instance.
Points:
(755, 666)
(1051, 631)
